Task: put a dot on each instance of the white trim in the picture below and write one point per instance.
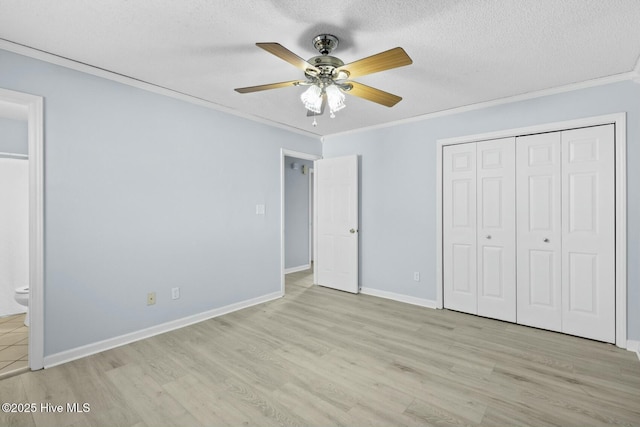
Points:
(311, 221)
(620, 121)
(35, 135)
(399, 297)
(632, 75)
(299, 155)
(633, 345)
(140, 84)
(296, 269)
(636, 71)
(545, 127)
(108, 344)
(17, 156)
(439, 233)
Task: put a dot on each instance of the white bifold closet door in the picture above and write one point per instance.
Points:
(459, 228)
(496, 229)
(479, 228)
(566, 235)
(538, 182)
(588, 233)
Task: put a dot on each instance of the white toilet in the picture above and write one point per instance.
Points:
(22, 298)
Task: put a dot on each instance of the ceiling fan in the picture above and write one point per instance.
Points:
(329, 77)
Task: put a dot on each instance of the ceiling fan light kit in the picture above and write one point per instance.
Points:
(327, 76)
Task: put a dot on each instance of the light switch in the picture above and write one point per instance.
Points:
(259, 209)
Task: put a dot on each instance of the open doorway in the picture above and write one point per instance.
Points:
(29, 159)
(297, 209)
(14, 239)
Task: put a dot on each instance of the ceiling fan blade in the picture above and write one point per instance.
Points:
(283, 53)
(386, 60)
(324, 103)
(269, 86)
(372, 94)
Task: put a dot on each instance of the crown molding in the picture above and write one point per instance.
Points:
(140, 84)
(636, 71)
(632, 75)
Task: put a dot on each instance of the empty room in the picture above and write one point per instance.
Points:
(327, 213)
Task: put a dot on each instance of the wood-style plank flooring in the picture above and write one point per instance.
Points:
(319, 357)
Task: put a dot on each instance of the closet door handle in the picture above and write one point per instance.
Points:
(488, 236)
(546, 240)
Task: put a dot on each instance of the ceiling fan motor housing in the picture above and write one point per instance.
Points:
(327, 65)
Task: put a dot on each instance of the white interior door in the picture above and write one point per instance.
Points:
(588, 227)
(538, 183)
(496, 228)
(459, 227)
(336, 189)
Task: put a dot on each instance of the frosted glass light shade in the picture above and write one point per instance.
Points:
(312, 99)
(335, 99)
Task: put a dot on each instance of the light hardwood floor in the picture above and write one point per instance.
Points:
(319, 357)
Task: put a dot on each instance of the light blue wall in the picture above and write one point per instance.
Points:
(13, 136)
(296, 213)
(398, 184)
(143, 193)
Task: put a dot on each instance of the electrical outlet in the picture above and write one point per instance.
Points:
(416, 276)
(175, 293)
(151, 298)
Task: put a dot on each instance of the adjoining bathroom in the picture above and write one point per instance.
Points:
(14, 239)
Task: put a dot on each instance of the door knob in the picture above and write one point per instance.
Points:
(488, 236)
(352, 231)
(546, 240)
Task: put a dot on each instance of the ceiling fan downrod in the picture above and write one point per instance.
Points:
(325, 43)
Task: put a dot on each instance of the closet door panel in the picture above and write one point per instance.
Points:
(588, 224)
(496, 229)
(459, 227)
(539, 274)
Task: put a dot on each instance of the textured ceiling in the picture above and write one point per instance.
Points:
(464, 51)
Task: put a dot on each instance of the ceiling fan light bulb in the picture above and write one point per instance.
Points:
(312, 99)
(335, 99)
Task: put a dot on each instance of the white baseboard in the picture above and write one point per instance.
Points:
(399, 297)
(634, 346)
(296, 269)
(97, 347)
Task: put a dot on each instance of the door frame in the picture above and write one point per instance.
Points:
(312, 220)
(620, 141)
(35, 134)
(300, 155)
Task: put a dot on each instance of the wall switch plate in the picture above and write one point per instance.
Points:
(151, 298)
(260, 209)
(416, 276)
(175, 293)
